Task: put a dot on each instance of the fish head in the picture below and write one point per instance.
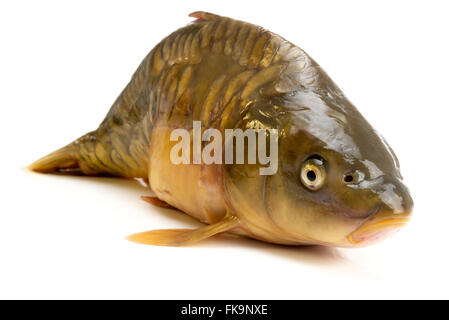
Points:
(338, 182)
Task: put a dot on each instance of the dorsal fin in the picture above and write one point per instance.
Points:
(203, 16)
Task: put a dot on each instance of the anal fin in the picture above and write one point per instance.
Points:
(180, 237)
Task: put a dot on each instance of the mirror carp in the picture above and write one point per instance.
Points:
(337, 182)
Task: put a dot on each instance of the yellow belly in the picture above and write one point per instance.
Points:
(196, 189)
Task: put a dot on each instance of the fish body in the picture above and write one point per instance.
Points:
(229, 74)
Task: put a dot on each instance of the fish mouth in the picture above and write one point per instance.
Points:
(377, 229)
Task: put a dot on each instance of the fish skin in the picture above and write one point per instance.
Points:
(232, 74)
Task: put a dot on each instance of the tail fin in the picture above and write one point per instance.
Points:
(65, 160)
(96, 153)
(120, 145)
(60, 160)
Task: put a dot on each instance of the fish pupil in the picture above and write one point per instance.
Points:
(311, 175)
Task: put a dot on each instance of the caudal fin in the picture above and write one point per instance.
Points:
(66, 160)
(61, 160)
(69, 159)
(92, 154)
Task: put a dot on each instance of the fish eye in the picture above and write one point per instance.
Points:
(313, 173)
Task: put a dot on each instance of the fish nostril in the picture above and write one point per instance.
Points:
(348, 178)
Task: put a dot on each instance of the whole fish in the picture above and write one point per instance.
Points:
(337, 183)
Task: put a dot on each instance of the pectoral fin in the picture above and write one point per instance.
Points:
(156, 202)
(179, 237)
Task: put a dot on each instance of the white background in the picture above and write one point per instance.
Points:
(62, 64)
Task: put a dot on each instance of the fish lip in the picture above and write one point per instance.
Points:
(376, 229)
